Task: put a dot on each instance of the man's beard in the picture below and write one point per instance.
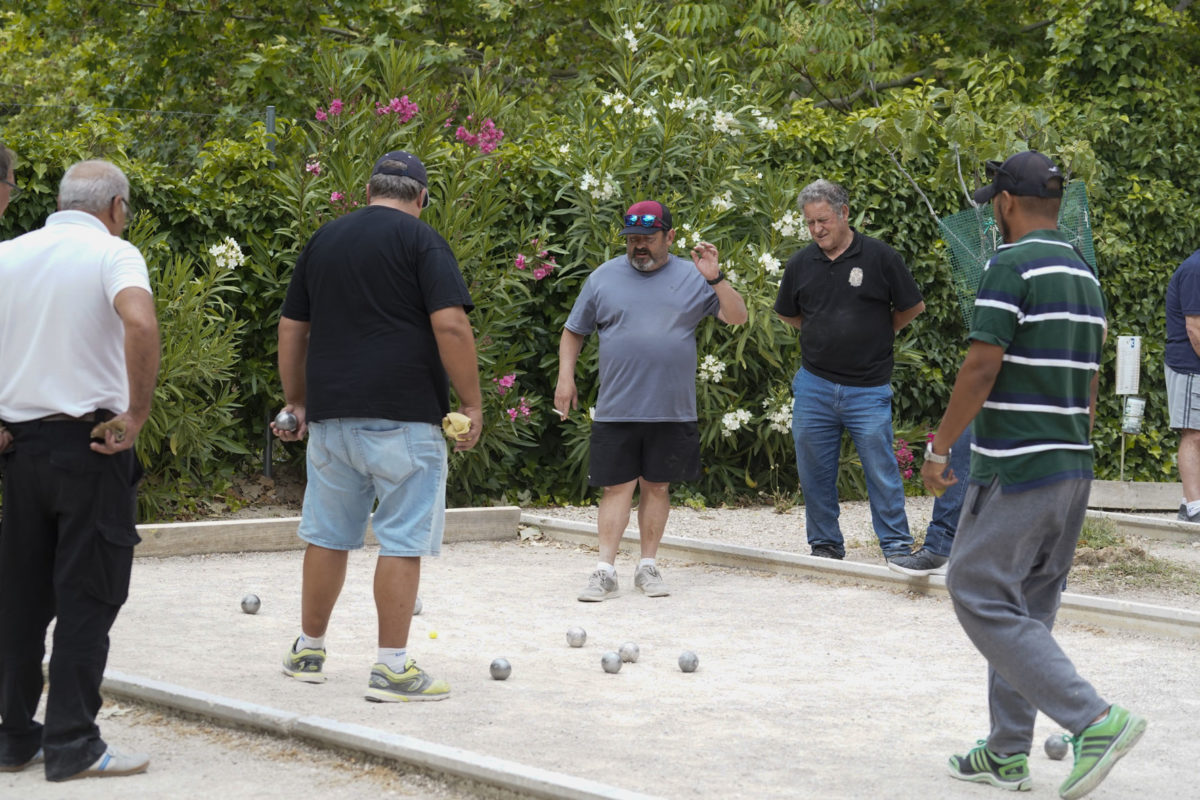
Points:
(644, 263)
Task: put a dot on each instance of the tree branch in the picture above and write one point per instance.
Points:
(844, 102)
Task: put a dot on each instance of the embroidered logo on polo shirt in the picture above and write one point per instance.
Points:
(856, 276)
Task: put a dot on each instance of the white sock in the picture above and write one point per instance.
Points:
(646, 562)
(309, 643)
(1193, 507)
(394, 658)
(607, 567)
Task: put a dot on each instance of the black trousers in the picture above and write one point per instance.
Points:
(66, 551)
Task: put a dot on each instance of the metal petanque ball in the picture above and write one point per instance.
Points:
(251, 604)
(1056, 746)
(501, 669)
(417, 606)
(285, 421)
(688, 661)
(576, 637)
(611, 662)
(629, 652)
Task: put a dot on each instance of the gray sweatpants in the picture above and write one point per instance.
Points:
(1010, 559)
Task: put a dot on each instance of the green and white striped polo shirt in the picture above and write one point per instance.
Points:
(1041, 302)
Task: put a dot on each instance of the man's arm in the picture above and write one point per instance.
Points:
(793, 321)
(733, 307)
(456, 346)
(902, 318)
(293, 357)
(974, 383)
(1192, 324)
(135, 307)
(566, 395)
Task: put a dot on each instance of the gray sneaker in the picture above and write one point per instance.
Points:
(650, 581)
(600, 586)
(1185, 516)
(922, 562)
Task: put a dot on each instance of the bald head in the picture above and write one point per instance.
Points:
(91, 186)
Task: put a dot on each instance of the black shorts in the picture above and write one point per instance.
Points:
(660, 452)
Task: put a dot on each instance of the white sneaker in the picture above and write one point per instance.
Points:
(114, 764)
(600, 586)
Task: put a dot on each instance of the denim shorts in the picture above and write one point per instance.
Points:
(352, 463)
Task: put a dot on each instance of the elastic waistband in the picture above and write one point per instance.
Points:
(99, 415)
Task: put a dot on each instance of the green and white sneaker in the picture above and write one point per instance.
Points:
(414, 683)
(1098, 748)
(306, 665)
(983, 766)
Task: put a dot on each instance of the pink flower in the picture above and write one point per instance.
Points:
(512, 413)
(335, 107)
(313, 167)
(508, 380)
(519, 262)
(321, 115)
(540, 273)
(543, 254)
(335, 197)
(908, 473)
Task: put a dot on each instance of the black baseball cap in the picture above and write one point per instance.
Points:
(1028, 174)
(408, 166)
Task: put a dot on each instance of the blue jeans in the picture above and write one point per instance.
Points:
(947, 508)
(821, 411)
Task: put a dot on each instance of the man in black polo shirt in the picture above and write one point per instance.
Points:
(848, 294)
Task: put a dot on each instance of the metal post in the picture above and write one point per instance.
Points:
(269, 445)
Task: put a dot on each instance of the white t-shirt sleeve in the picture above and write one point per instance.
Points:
(124, 268)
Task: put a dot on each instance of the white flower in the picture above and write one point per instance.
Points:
(564, 149)
(724, 122)
(764, 123)
(711, 369)
(731, 276)
(734, 421)
(227, 254)
(769, 263)
(781, 418)
(592, 412)
(630, 37)
(723, 201)
(647, 112)
(789, 225)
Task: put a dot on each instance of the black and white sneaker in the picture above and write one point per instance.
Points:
(922, 562)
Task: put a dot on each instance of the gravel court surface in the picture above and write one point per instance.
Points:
(805, 688)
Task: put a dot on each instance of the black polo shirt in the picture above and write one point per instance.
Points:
(846, 336)
(367, 283)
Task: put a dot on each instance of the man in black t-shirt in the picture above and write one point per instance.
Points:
(374, 328)
(848, 294)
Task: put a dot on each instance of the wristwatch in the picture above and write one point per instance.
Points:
(934, 457)
(720, 277)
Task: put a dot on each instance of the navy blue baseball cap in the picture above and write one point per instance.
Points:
(1028, 174)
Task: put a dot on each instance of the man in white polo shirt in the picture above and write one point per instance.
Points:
(78, 345)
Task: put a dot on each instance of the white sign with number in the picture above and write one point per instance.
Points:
(1129, 362)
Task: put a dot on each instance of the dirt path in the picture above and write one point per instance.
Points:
(805, 688)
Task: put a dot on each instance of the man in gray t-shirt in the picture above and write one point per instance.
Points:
(644, 306)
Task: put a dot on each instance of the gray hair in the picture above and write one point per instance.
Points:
(395, 187)
(91, 186)
(823, 191)
(8, 161)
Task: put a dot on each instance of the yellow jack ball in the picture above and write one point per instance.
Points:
(433, 634)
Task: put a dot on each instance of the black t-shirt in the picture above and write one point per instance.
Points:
(846, 336)
(367, 283)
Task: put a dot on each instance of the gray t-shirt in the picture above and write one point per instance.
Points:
(646, 322)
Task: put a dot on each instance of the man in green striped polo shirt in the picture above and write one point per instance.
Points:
(1029, 383)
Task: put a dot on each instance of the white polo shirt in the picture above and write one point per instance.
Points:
(62, 344)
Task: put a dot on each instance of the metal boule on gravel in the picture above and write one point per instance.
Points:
(688, 661)
(629, 652)
(286, 421)
(251, 604)
(576, 636)
(611, 662)
(501, 669)
(417, 606)
(1056, 746)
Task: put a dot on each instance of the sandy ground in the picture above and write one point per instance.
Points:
(805, 688)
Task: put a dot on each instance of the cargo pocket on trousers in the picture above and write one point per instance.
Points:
(116, 530)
